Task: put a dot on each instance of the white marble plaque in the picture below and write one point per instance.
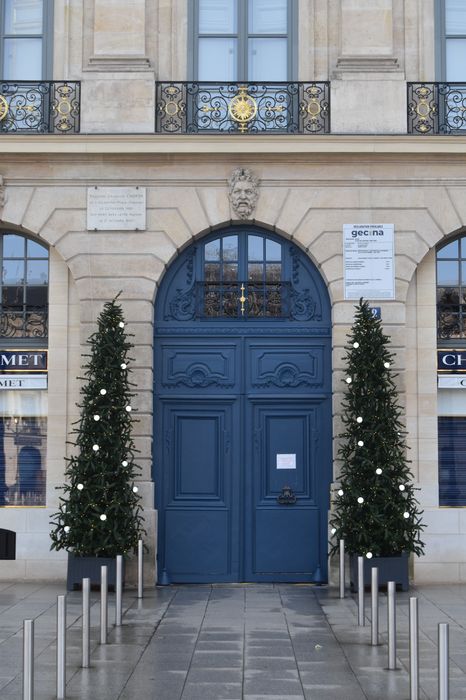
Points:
(116, 208)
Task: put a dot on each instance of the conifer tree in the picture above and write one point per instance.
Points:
(376, 511)
(99, 512)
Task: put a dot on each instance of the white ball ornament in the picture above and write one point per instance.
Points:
(103, 516)
(402, 487)
(123, 365)
(378, 471)
(103, 392)
(369, 555)
(128, 408)
(386, 365)
(406, 515)
(80, 487)
(333, 530)
(360, 443)
(96, 417)
(340, 492)
(67, 528)
(121, 324)
(348, 380)
(359, 419)
(135, 489)
(360, 499)
(95, 448)
(356, 345)
(124, 463)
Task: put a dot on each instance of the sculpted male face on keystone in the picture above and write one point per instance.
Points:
(243, 194)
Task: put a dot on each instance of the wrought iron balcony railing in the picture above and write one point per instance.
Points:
(42, 107)
(26, 322)
(436, 108)
(242, 108)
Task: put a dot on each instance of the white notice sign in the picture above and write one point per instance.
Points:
(369, 261)
(286, 461)
(116, 208)
(23, 381)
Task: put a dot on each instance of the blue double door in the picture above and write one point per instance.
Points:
(244, 451)
(242, 456)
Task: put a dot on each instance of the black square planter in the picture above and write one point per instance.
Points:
(394, 568)
(89, 567)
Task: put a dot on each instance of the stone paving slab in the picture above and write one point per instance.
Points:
(244, 642)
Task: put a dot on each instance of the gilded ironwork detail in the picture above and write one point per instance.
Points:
(436, 108)
(239, 108)
(47, 107)
(3, 108)
(31, 323)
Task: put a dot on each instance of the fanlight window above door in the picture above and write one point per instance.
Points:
(242, 274)
(243, 278)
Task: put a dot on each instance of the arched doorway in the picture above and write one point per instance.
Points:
(242, 454)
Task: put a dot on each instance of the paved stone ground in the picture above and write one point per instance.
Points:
(250, 642)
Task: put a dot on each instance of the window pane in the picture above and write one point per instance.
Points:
(273, 273)
(217, 16)
(450, 251)
(37, 271)
(212, 250)
(35, 250)
(267, 17)
(255, 273)
(23, 16)
(217, 60)
(13, 246)
(448, 296)
(22, 59)
(255, 248)
(267, 59)
(22, 472)
(13, 271)
(455, 19)
(12, 297)
(37, 296)
(230, 248)
(273, 250)
(456, 59)
(230, 272)
(212, 272)
(447, 273)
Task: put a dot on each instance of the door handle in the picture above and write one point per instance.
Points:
(287, 496)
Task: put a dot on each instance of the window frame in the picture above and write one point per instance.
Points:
(448, 342)
(46, 36)
(243, 37)
(26, 341)
(441, 43)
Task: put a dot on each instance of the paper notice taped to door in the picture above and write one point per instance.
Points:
(286, 461)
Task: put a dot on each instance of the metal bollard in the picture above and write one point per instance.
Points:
(374, 606)
(361, 620)
(342, 568)
(103, 604)
(61, 646)
(86, 629)
(391, 611)
(443, 665)
(28, 660)
(118, 590)
(140, 569)
(413, 650)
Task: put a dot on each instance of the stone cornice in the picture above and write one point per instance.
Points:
(146, 144)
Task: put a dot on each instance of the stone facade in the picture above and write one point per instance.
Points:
(310, 186)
